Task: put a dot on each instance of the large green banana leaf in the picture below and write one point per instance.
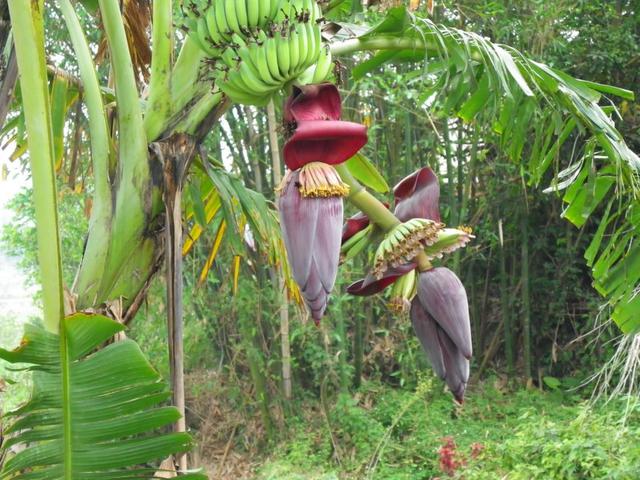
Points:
(94, 413)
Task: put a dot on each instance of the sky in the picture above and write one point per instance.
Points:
(16, 300)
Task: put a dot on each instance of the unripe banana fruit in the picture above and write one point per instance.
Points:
(258, 47)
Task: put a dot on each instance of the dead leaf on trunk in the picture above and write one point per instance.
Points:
(166, 469)
(137, 19)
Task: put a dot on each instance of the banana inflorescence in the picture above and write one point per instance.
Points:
(403, 243)
(257, 47)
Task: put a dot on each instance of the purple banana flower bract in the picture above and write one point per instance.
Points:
(371, 285)
(311, 230)
(443, 296)
(446, 359)
(320, 101)
(417, 196)
(328, 141)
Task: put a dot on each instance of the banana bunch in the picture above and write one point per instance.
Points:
(402, 292)
(254, 69)
(403, 243)
(319, 72)
(212, 25)
(448, 240)
(257, 47)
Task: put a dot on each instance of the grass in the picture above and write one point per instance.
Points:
(392, 434)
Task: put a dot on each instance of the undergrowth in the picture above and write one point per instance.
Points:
(397, 434)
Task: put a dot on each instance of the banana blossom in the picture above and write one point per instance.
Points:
(438, 301)
(310, 197)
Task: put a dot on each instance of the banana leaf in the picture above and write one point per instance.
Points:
(93, 413)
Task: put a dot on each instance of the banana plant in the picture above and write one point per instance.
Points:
(146, 134)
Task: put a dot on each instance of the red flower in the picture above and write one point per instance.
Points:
(417, 196)
(320, 101)
(370, 285)
(326, 141)
(313, 112)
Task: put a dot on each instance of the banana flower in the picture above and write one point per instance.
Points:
(436, 299)
(310, 196)
(440, 318)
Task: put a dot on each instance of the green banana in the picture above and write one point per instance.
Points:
(306, 8)
(294, 51)
(229, 57)
(255, 84)
(256, 56)
(276, 6)
(317, 41)
(248, 68)
(409, 285)
(220, 19)
(313, 48)
(306, 76)
(192, 28)
(265, 12)
(231, 16)
(242, 14)
(242, 97)
(355, 238)
(237, 82)
(284, 57)
(303, 47)
(324, 65)
(253, 12)
(214, 33)
(204, 39)
(362, 243)
(271, 52)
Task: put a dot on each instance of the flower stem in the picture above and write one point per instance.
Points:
(375, 209)
(347, 47)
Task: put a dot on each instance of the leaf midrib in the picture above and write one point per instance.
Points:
(66, 403)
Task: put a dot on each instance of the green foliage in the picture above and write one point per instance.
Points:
(18, 238)
(593, 445)
(90, 414)
(524, 434)
(17, 391)
(532, 110)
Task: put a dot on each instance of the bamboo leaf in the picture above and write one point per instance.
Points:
(236, 272)
(367, 66)
(476, 101)
(212, 207)
(395, 22)
(222, 227)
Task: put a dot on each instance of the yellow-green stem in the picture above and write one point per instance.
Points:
(159, 105)
(375, 209)
(347, 47)
(28, 31)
